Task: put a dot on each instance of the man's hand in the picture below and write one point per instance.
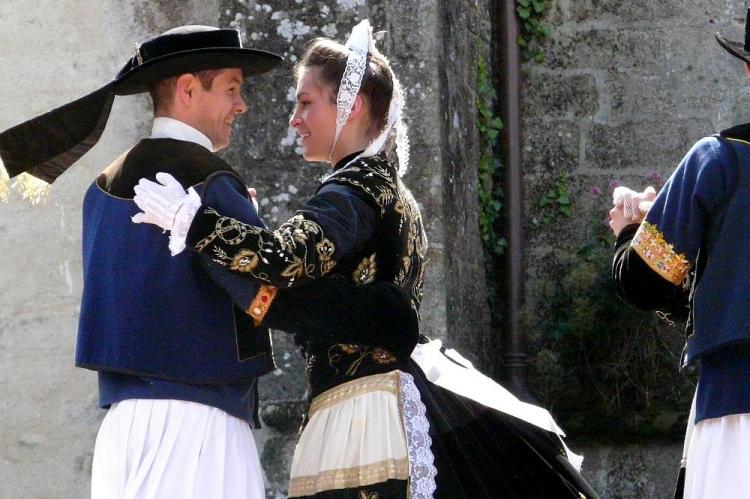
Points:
(618, 220)
(629, 207)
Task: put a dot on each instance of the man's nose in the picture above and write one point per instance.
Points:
(240, 105)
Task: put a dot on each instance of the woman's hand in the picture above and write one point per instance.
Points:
(167, 205)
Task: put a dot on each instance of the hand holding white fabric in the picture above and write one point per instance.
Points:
(166, 204)
(635, 205)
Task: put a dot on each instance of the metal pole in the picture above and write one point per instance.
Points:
(507, 31)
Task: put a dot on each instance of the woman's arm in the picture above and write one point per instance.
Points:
(328, 226)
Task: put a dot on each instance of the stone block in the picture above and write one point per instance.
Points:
(628, 12)
(550, 147)
(642, 146)
(561, 95)
(631, 471)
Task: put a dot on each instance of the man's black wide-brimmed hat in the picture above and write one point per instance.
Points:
(47, 145)
(738, 49)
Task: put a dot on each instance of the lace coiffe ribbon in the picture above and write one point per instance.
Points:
(361, 43)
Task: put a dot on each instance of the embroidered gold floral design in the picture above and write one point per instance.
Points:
(325, 249)
(245, 261)
(337, 353)
(363, 494)
(295, 269)
(365, 271)
(399, 207)
(327, 266)
(348, 348)
(660, 255)
(383, 356)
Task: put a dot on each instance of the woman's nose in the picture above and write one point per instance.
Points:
(294, 120)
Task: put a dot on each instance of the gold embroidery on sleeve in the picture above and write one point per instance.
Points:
(658, 254)
(297, 249)
(366, 270)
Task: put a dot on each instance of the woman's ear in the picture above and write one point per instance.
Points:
(358, 108)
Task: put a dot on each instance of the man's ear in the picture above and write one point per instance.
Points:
(184, 88)
(747, 69)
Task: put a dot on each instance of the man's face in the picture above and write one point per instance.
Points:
(314, 116)
(214, 110)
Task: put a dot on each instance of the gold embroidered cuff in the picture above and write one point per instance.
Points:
(262, 302)
(658, 254)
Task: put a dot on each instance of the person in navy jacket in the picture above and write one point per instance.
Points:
(689, 257)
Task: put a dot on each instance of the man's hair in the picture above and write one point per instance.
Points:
(377, 84)
(162, 91)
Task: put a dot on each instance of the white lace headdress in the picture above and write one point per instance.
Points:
(360, 43)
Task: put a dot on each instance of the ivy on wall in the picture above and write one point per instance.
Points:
(534, 30)
(490, 192)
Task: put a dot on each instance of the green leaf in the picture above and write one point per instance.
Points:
(523, 12)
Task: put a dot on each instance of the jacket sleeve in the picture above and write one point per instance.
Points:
(653, 262)
(328, 226)
(377, 312)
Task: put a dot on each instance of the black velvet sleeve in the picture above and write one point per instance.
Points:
(335, 309)
(638, 285)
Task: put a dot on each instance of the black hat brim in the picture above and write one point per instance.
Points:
(737, 49)
(252, 62)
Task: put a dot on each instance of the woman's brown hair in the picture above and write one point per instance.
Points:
(377, 84)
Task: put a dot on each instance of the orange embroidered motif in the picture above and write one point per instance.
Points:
(658, 254)
(262, 302)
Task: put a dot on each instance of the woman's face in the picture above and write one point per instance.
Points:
(314, 115)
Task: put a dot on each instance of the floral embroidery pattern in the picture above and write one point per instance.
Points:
(377, 178)
(363, 494)
(336, 354)
(297, 250)
(245, 261)
(365, 271)
(650, 245)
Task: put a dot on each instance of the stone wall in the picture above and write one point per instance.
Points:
(626, 87)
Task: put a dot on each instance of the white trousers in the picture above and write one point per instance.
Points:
(169, 449)
(718, 458)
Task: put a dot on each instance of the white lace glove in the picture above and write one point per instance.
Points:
(635, 205)
(166, 204)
